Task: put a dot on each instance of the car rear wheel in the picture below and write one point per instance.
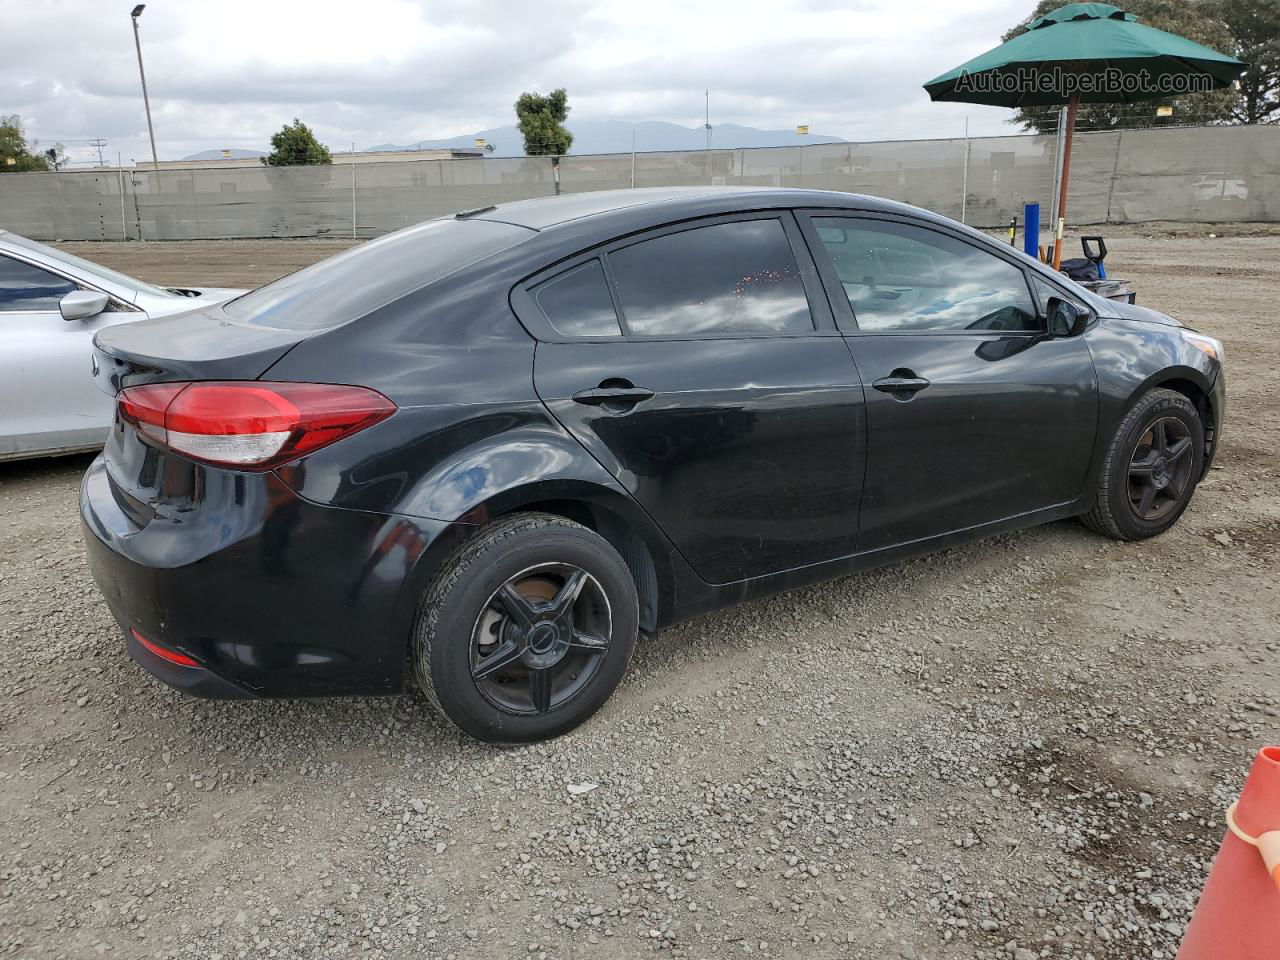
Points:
(1151, 468)
(526, 630)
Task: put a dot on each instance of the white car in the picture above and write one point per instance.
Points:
(51, 304)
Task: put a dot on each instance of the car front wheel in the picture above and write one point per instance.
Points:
(1151, 468)
(526, 630)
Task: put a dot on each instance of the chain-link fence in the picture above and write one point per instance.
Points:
(1188, 174)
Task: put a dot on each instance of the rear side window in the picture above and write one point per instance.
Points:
(359, 280)
(24, 287)
(901, 278)
(577, 302)
(739, 277)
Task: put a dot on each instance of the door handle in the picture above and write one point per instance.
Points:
(901, 383)
(612, 396)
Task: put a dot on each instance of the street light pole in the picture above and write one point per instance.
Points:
(146, 101)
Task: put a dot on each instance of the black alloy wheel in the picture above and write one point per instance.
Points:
(1150, 469)
(540, 638)
(1160, 469)
(526, 629)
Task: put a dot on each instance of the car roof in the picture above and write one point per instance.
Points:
(542, 213)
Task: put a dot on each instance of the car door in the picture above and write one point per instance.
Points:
(700, 365)
(974, 415)
(49, 398)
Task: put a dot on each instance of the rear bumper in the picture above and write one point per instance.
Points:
(197, 681)
(273, 595)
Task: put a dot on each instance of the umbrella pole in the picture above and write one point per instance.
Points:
(1066, 173)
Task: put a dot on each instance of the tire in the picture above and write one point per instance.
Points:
(1139, 464)
(507, 643)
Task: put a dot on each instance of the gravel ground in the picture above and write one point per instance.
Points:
(1018, 749)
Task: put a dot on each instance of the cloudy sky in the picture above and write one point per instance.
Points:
(226, 73)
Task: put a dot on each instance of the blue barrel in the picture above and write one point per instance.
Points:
(1031, 229)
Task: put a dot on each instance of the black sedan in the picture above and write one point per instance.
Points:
(486, 451)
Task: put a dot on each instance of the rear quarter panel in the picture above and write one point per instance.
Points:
(459, 368)
(470, 439)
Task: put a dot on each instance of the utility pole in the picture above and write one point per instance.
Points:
(124, 224)
(99, 143)
(1057, 166)
(146, 101)
(707, 126)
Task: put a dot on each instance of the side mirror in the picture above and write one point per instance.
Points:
(81, 304)
(1066, 319)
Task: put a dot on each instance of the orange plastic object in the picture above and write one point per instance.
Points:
(1238, 916)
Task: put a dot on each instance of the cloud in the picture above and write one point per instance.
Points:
(226, 73)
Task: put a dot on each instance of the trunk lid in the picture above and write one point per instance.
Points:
(199, 345)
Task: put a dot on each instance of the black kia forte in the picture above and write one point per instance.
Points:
(484, 452)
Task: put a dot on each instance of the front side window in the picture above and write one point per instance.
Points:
(736, 278)
(577, 302)
(1044, 290)
(24, 287)
(901, 279)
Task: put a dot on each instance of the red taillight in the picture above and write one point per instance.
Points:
(164, 653)
(144, 407)
(251, 425)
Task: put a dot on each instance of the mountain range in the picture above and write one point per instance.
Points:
(235, 154)
(614, 136)
(597, 136)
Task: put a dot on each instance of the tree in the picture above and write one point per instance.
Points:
(55, 156)
(1254, 26)
(15, 157)
(541, 122)
(295, 144)
(1193, 19)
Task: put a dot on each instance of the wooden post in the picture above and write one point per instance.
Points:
(1066, 174)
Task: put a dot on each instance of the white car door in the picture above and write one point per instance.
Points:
(48, 401)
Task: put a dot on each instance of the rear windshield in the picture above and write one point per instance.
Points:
(359, 280)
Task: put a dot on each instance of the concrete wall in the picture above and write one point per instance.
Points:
(1181, 174)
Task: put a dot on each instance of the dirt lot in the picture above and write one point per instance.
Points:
(1014, 750)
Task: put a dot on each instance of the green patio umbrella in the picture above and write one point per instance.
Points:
(1085, 53)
